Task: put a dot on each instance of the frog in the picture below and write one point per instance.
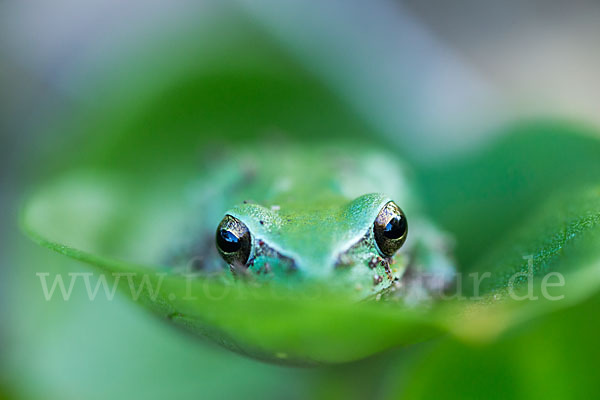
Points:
(344, 216)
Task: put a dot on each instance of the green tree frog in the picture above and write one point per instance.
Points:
(343, 216)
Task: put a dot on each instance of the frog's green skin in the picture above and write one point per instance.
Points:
(310, 212)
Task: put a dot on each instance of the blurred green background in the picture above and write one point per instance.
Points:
(493, 105)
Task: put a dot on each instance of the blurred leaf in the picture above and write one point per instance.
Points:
(161, 104)
(482, 196)
(550, 262)
(549, 358)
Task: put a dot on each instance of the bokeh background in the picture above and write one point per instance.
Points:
(83, 83)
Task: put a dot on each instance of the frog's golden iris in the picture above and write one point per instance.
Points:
(233, 241)
(390, 229)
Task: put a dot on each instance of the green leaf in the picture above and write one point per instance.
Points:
(483, 195)
(550, 358)
(550, 262)
(276, 324)
(102, 219)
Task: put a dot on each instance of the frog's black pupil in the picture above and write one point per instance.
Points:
(396, 228)
(228, 242)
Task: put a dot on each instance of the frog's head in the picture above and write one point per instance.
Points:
(346, 244)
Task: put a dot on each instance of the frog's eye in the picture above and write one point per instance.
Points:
(390, 229)
(233, 240)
